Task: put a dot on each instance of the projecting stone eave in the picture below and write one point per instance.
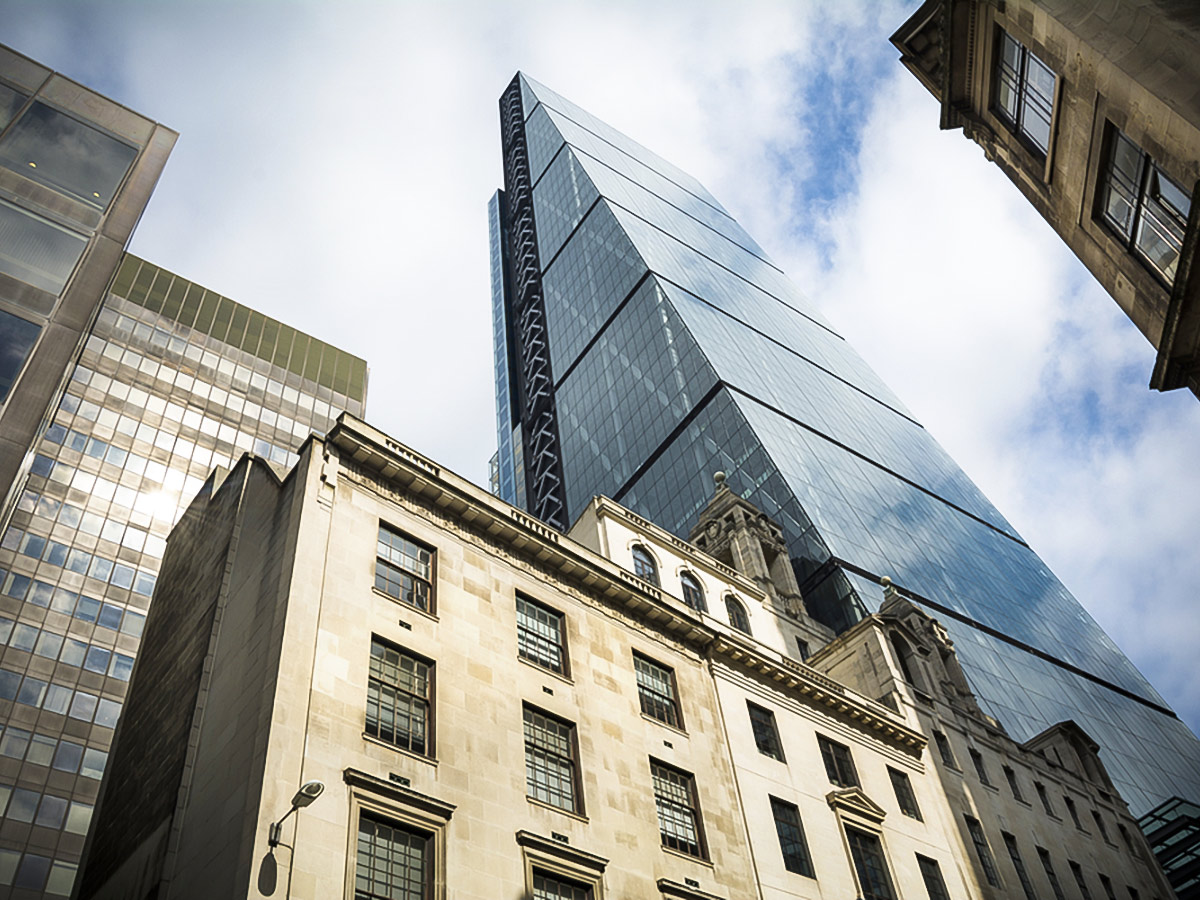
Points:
(405, 471)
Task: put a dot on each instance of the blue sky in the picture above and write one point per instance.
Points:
(335, 162)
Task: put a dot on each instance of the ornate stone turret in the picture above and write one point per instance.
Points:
(741, 535)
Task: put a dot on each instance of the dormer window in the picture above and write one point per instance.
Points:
(644, 566)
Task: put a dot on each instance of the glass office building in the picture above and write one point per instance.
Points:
(644, 341)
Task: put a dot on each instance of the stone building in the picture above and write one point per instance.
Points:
(1091, 109)
(495, 709)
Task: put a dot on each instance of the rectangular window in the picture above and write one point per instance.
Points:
(839, 765)
(1106, 883)
(1013, 784)
(404, 569)
(766, 736)
(656, 691)
(1044, 856)
(802, 647)
(980, 768)
(1077, 874)
(931, 874)
(551, 774)
(37, 251)
(904, 793)
(541, 635)
(944, 749)
(983, 851)
(678, 810)
(1143, 206)
(17, 337)
(1044, 797)
(1010, 844)
(552, 887)
(1100, 825)
(392, 862)
(1024, 93)
(792, 843)
(1074, 812)
(399, 697)
(867, 854)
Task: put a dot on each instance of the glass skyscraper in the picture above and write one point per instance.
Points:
(644, 341)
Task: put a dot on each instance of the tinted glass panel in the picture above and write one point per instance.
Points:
(35, 250)
(17, 337)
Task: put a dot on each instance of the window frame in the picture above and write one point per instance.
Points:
(946, 750)
(686, 780)
(931, 871)
(1010, 774)
(902, 786)
(983, 851)
(765, 721)
(701, 604)
(834, 763)
(430, 583)
(1014, 855)
(803, 862)
(738, 615)
(872, 840)
(572, 740)
(670, 702)
(531, 657)
(1024, 88)
(645, 566)
(1051, 875)
(562, 862)
(426, 869)
(429, 700)
(980, 767)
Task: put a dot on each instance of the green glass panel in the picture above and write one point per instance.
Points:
(283, 348)
(220, 326)
(158, 291)
(141, 284)
(358, 378)
(328, 364)
(341, 376)
(254, 330)
(191, 304)
(208, 311)
(125, 276)
(174, 299)
(270, 334)
(307, 359)
(237, 327)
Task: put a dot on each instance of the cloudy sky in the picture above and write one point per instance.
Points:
(335, 161)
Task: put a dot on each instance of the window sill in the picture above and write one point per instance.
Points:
(675, 728)
(403, 605)
(579, 817)
(428, 760)
(565, 679)
(696, 859)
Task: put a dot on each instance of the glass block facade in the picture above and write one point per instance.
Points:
(172, 381)
(654, 343)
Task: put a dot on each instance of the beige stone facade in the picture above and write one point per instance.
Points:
(1128, 67)
(518, 715)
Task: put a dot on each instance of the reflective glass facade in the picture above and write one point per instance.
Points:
(172, 381)
(673, 347)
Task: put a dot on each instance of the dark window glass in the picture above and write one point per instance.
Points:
(32, 872)
(656, 691)
(931, 874)
(693, 594)
(1100, 824)
(552, 887)
(983, 851)
(944, 749)
(35, 250)
(1077, 874)
(737, 614)
(65, 154)
(1073, 811)
(643, 564)
(678, 809)
(1106, 883)
(53, 810)
(839, 765)
(17, 338)
(1010, 844)
(392, 862)
(802, 647)
(68, 756)
(550, 770)
(1044, 797)
(766, 736)
(792, 843)
(11, 101)
(541, 635)
(1146, 208)
(1044, 856)
(1024, 92)
(399, 690)
(870, 865)
(904, 793)
(1013, 784)
(404, 569)
(980, 768)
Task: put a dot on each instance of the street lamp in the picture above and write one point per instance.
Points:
(309, 791)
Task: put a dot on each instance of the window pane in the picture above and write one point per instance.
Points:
(867, 854)
(10, 101)
(678, 818)
(540, 635)
(35, 250)
(656, 690)
(549, 887)
(390, 863)
(550, 760)
(67, 155)
(766, 737)
(17, 337)
(792, 843)
(398, 694)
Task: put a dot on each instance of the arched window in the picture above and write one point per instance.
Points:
(643, 564)
(737, 614)
(693, 594)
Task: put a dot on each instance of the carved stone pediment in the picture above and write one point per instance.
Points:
(852, 800)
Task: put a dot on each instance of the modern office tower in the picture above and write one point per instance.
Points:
(1173, 831)
(372, 679)
(171, 381)
(649, 341)
(1092, 112)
